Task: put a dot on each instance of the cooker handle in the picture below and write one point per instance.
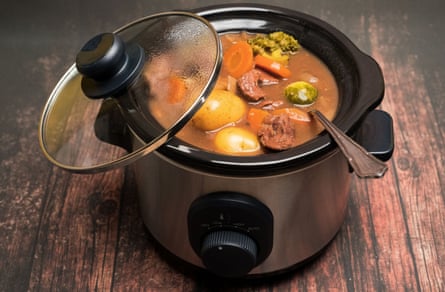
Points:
(111, 127)
(376, 134)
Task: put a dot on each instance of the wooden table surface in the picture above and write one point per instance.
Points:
(68, 232)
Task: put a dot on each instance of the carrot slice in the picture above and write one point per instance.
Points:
(272, 66)
(177, 89)
(294, 113)
(255, 117)
(238, 59)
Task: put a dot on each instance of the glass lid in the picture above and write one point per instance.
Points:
(105, 111)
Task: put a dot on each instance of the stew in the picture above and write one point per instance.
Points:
(261, 100)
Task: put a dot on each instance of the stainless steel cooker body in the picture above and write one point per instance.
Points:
(307, 206)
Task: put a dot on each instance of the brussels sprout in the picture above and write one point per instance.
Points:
(301, 93)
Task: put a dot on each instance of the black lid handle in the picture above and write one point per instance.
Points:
(108, 65)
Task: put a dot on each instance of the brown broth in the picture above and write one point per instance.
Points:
(304, 66)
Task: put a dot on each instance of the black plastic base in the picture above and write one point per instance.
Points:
(205, 278)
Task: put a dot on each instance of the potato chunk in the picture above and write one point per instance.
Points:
(235, 140)
(221, 108)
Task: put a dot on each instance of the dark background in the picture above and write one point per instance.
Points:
(66, 232)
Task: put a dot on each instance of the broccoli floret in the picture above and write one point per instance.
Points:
(262, 44)
(286, 42)
(301, 93)
(278, 56)
(276, 45)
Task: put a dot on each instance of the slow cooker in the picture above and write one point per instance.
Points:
(235, 216)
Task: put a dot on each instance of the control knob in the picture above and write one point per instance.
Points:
(229, 253)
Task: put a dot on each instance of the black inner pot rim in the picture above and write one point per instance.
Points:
(358, 77)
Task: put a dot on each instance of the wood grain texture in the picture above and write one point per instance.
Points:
(69, 232)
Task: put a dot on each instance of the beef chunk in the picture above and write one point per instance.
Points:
(277, 132)
(249, 84)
